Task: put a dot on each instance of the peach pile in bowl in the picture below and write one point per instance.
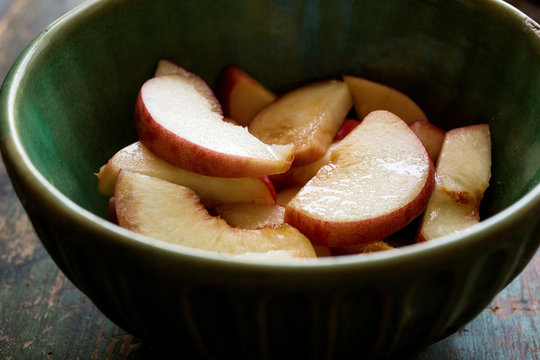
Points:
(69, 104)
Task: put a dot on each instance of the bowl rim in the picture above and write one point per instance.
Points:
(19, 166)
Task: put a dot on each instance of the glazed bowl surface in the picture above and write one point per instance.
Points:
(67, 106)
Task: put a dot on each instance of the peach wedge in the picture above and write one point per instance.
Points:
(241, 96)
(309, 117)
(369, 96)
(174, 214)
(379, 179)
(166, 67)
(462, 176)
(251, 216)
(431, 136)
(212, 190)
(176, 121)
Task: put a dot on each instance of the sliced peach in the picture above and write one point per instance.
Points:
(300, 175)
(380, 178)
(166, 67)
(347, 126)
(175, 120)
(241, 96)
(251, 216)
(286, 195)
(174, 214)
(363, 248)
(309, 117)
(431, 136)
(369, 96)
(462, 176)
(212, 190)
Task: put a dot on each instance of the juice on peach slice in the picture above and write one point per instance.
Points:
(308, 116)
(379, 179)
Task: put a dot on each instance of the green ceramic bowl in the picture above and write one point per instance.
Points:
(67, 106)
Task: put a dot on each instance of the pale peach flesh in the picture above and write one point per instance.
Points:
(283, 196)
(369, 96)
(212, 190)
(177, 123)
(363, 248)
(251, 216)
(308, 116)
(462, 176)
(241, 96)
(174, 214)
(256, 216)
(299, 175)
(431, 136)
(380, 178)
(166, 67)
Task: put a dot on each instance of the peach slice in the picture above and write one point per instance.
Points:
(166, 67)
(251, 216)
(369, 96)
(176, 121)
(323, 251)
(309, 116)
(347, 126)
(285, 195)
(212, 190)
(300, 175)
(174, 214)
(380, 178)
(462, 176)
(255, 216)
(363, 248)
(241, 96)
(431, 136)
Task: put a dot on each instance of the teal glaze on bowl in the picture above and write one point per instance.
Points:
(67, 106)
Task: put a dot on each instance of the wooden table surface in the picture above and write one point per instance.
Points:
(43, 316)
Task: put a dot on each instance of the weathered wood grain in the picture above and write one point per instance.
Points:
(43, 316)
(509, 328)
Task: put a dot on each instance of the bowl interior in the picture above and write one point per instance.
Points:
(462, 62)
